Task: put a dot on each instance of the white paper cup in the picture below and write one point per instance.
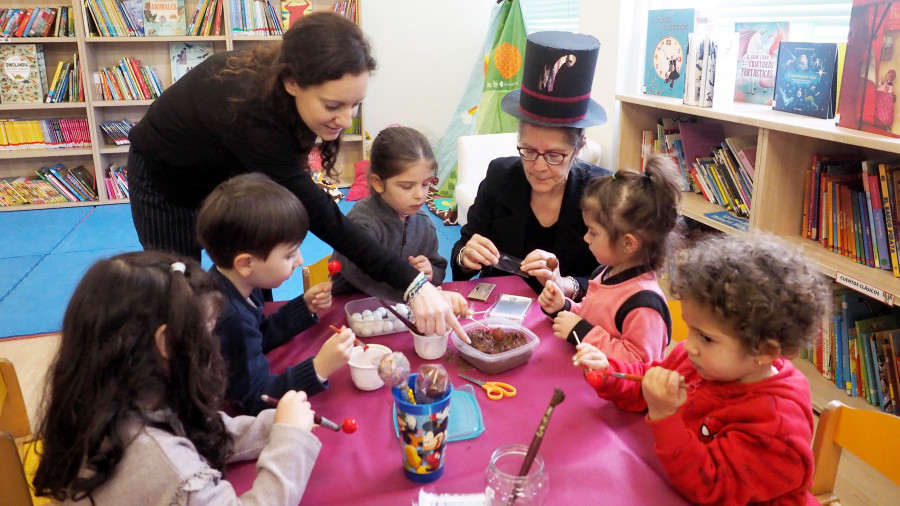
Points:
(430, 347)
(364, 366)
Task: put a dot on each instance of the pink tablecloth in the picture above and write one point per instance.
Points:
(592, 451)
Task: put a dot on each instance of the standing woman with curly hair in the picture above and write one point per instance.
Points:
(261, 110)
(130, 413)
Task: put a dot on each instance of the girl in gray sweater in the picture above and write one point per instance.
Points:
(131, 414)
(400, 175)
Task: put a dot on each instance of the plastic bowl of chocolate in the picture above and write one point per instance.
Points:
(506, 345)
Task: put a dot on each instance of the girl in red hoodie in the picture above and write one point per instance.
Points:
(730, 414)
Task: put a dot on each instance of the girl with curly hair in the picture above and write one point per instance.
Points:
(131, 407)
(730, 415)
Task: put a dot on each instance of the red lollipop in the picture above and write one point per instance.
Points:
(349, 426)
(334, 267)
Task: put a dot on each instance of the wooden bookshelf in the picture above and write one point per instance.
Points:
(786, 144)
(98, 52)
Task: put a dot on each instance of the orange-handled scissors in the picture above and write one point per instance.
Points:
(495, 389)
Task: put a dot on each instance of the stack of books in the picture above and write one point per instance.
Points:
(37, 22)
(129, 80)
(44, 133)
(255, 17)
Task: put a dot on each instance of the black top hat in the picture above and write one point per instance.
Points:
(556, 82)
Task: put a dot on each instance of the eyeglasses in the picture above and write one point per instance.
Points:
(551, 157)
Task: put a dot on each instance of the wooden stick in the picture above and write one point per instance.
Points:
(355, 341)
(483, 325)
(317, 418)
(558, 397)
(412, 328)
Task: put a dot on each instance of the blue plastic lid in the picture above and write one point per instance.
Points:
(465, 415)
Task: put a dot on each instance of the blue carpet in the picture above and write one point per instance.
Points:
(37, 232)
(37, 304)
(13, 270)
(46, 252)
(106, 227)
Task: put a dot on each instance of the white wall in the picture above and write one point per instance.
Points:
(425, 50)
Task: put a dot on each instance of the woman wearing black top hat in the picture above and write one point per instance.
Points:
(528, 206)
(262, 110)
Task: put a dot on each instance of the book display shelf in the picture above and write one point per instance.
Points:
(98, 52)
(786, 144)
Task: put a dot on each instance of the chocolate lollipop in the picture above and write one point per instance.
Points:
(552, 263)
(393, 369)
(431, 383)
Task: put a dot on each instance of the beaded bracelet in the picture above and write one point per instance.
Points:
(415, 286)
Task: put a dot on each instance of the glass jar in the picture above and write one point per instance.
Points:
(503, 480)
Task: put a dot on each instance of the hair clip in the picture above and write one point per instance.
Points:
(178, 267)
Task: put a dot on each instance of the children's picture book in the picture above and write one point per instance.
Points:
(183, 56)
(805, 78)
(868, 101)
(757, 56)
(667, 38)
(20, 77)
(292, 11)
(134, 9)
(164, 18)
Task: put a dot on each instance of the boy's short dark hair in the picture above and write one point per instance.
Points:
(756, 283)
(252, 214)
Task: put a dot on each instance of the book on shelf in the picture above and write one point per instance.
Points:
(805, 79)
(164, 18)
(116, 181)
(133, 14)
(20, 75)
(667, 38)
(183, 56)
(756, 60)
(868, 99)
(292, 11)
(117, 131)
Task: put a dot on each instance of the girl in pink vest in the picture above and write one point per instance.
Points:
(630, 217)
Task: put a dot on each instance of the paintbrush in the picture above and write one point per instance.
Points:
(355, 340)
(410, 325)
(317, 418)
(558, 397)
(632, 377)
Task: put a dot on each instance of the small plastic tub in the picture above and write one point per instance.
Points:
(368, 318)
(364, 366)
(430, 347)
(498, 362)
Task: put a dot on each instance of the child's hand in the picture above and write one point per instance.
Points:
(590, 357)
(421, 263)
(457, 303)
(294, 409)
(551, 298)
(318, 297)
(334, 353)
(564, 322)
(663, 392)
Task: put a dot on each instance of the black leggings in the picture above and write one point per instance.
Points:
(160, 224)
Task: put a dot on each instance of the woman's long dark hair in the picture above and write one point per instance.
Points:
(108, 369)
(320, 47)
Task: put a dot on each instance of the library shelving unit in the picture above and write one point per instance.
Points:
(99, 52)
(786, 144)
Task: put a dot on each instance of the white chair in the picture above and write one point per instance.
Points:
(476, 152)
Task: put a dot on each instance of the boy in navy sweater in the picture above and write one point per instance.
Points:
(252, 227)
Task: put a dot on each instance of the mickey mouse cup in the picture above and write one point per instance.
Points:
(423, 433)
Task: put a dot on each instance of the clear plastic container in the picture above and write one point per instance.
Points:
(511, 307)
(367, 317)
(504, 483)
(499, 362)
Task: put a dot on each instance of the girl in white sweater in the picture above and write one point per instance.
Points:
(131, 409)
